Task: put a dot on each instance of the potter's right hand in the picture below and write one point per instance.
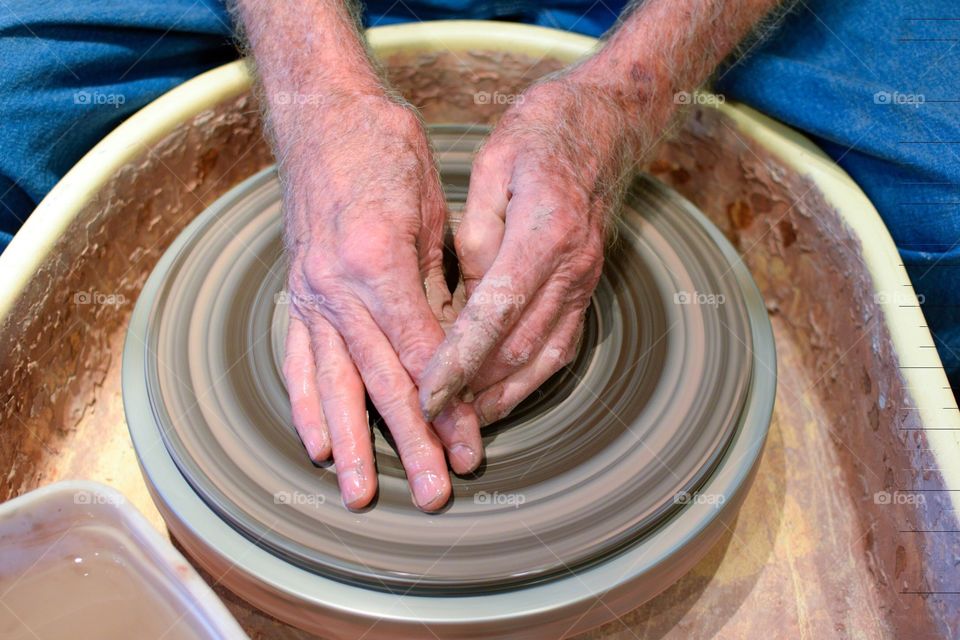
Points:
(364, 215)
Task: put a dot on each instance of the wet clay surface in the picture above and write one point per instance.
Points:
(578, 479)
(813, 553)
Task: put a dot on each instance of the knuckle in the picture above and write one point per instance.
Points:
(563, 353)
(363, 255)
(392, 388)
(414, 349)
(314, 284)
(468, 241)
(465, 237)
(363, 359)
(315, 265)
(558, 356)
(461, 423)
(570, 353)
(519, 348)
(515, 354)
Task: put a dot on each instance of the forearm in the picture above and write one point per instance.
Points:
(667, 46)
(310, 58)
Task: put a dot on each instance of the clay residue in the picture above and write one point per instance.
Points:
(821, 298)
(465, 87)
(63, 338)
(812, 553)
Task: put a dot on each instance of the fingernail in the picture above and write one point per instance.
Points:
(431, 404)
(351, 486)
(465, 454)
(427, 489)
(314, 445)
(434, 396)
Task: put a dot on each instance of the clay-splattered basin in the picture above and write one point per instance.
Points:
(848, 527)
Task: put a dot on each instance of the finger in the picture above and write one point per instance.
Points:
(439, 298)
(527, 337)
(431, 255)
(458, 301)
(344, 409)
(300, 374)
(403, 315)
(458, 427)
(496, 402)
(395, 397)
(491, 311)
(481, 230)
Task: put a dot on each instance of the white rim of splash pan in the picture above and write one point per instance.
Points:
(921, 368)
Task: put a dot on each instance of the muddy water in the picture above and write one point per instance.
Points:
(86, 582)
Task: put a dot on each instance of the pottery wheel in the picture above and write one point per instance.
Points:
(593, 463)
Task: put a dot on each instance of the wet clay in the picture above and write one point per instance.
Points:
(812, 553)
(594, 462)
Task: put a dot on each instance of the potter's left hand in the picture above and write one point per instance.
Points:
(543, 193)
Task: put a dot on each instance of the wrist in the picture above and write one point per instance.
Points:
(351, 142)
(328, 120)
(640, 94)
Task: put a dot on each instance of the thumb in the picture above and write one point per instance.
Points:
(480, 233)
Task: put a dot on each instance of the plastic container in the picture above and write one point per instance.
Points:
(78, 561)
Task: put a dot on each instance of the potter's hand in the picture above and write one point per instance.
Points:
(365, 216)
(542, 193)
(545, 187)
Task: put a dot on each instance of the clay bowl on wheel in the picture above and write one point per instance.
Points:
(832, 524)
